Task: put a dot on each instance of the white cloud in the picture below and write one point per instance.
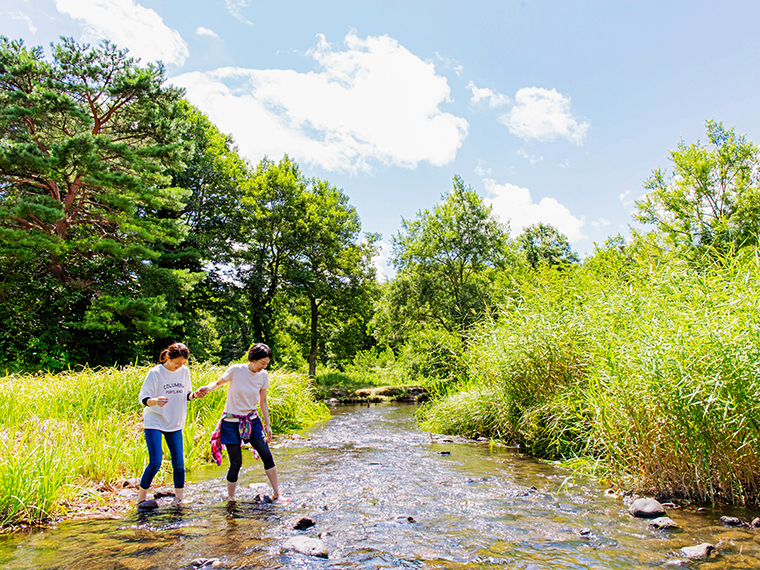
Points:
(601, 222)
(531, 157)
(234, 7)
(201, 31)
(510, 202)
(452, 63)
(373, 101)
(629, 197)
(481, 169)
(128, 25)
(487, 96)
(564, 164)
(382, 261)
(24, 18)
(544, 115)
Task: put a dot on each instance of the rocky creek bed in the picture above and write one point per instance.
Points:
(369, 490)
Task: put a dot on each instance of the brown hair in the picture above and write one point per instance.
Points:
(259, 351)
(174, 351)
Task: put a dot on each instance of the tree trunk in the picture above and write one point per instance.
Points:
(313, 350)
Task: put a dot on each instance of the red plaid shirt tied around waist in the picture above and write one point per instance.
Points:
(245, 433)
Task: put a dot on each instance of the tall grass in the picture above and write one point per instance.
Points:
(650, 374)
(63, 434)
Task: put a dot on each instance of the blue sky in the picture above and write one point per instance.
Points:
(553, 111)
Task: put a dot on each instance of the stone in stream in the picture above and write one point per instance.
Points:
(646, 509)
(162, 492)
(699, 551)
(663, 523)
(755, 522)
(147, 505)
(301, 523)
(124, 483)
(305, 545)
(404, 518)
(732, 521)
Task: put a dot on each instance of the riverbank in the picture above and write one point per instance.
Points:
(70, 435)
(645, 374)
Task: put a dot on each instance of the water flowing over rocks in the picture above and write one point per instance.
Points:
(206, 563)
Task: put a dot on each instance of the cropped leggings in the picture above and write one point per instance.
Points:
(174, 443)
(231, 440)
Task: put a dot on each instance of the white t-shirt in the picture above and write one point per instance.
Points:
(243, 391)
(174, 385)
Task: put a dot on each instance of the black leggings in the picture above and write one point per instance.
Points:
(236, 457)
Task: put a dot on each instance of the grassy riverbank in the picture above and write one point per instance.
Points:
(68, 434)
(647, 374)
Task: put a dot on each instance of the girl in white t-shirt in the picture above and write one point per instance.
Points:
(165, 393)
(240, 421)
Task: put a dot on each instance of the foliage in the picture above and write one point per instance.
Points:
(86, 140)
(544, 244)
(711, 200)
(47, 420)
(446, 259)
(647, 371)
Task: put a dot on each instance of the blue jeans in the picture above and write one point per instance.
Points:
(174, 443)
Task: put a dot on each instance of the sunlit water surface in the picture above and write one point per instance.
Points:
(386, 495)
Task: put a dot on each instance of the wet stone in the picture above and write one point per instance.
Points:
(444, 453)
(732, 521)
(162, 492)
(305, 545)
(663, 523)
(699, 551)
(124, 483)
(755, 522)
(646, 509)
(404, 519)
(301, 523)
(148, 505)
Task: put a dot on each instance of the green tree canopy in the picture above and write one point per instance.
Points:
(446, 259)
(711, 199)
(544, 244)
(86, 141)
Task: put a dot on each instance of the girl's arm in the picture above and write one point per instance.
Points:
(265, 413)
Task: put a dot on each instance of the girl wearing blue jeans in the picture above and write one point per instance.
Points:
(165, 393)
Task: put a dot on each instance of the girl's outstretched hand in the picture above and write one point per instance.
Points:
(200, 392)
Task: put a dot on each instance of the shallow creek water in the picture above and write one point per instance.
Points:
(386, 495)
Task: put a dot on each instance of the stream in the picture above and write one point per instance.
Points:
(384, 494)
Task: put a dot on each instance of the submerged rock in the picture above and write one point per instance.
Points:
(305, 545)
(699, 551)
(147, 505)
(301, 523)
(663, 523)
(646, 509)
(162, 492)
(732, 521)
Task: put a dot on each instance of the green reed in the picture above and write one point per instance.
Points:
(65, 434)
(647, 373)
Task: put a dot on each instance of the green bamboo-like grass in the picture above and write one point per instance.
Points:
(646, 374)
(64, 434)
